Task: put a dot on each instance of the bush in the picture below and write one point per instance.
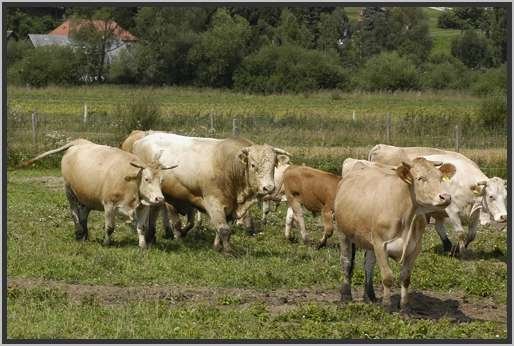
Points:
(16, 50)
(493, 111)
(491, 81)
(473, 50)
(446, 72)
(50, 65)
(388, 71)
(289, 68)
(140, 112)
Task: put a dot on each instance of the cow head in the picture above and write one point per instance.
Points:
(426, 181)
(149, 181)
(493, 192)
(260, 162)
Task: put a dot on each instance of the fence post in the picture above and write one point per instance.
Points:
(85, 113)
(211, 128)
(34, 127)
(388, 128)
(457, 138)
(353, 116)
(235, 129)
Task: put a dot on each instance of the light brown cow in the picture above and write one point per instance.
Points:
(383, 210)
(314, 190)
(222, 177)
(474, 194)
(99, 177)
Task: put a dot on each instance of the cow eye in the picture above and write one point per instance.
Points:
(253, 165)
(423, 179)
(491, 197)
(147, 180)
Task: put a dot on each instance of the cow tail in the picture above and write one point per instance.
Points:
(50, 152)
(409, 233)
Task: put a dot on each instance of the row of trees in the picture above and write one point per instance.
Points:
(271, 49)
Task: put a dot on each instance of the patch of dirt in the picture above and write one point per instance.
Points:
(51, 182)
(424, 304)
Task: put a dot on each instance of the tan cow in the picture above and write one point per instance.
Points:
(314, 190)
(474, 194)
(222, 177)
(99, 177)
(383, 210)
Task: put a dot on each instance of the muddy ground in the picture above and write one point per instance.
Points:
(425, 304)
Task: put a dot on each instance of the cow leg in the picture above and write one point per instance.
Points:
(168, 229)
(175, 223)
(369, 265)
(385, 272)
(347, 260)
(474, 219)
(79, 214)
(328, 226)
(266, 207)
(289, 223)
(441, 231)
(142, 214)
(298, 216)
(218, 219)
(405, 274)
(109, 215)
(190, 222)
(459, 230)
(153, 213)
(249, 224)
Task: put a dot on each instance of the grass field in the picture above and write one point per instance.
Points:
(270, 288)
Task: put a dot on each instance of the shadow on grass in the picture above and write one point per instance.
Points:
(429, 307)
(473, 255)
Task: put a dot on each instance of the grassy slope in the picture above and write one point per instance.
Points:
(41, 245)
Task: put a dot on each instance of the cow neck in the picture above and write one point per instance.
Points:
(238, 180)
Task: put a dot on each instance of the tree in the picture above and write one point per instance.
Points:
(472, 49)
(220, 49)
(291, 30)
(375, 34)
(410, 33)
(498, 32)
(94, 37)
(334, 30)
(166, 36)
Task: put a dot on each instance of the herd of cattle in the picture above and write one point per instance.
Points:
(381, 205)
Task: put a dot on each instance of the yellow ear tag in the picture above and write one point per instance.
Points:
(445, 178)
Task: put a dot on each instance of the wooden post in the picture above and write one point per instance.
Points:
(353, 116)
(34, 127)
(457, 138)
(85, 113)
(388, 128)
(211, 129)
(235, 129)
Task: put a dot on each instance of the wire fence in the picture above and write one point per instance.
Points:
(30, 133)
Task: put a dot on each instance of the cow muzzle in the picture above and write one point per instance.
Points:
(444, 199)
(501, 218)
(266, 189)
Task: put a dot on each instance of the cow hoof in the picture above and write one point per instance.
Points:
(168, 235)
(322, 244)
(369, 299)
(389, 308)
(406, 311)
(107, 242)
(454, 252)
(447, 245)
(346, 298)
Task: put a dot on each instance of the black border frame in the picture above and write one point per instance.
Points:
(5, 340)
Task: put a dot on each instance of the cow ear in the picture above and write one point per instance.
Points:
(403, 171)
(243, 155)
(448, 170)
(282, 159)
(477, 189)
(167, 167)
(137, 165)
(131, 177)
